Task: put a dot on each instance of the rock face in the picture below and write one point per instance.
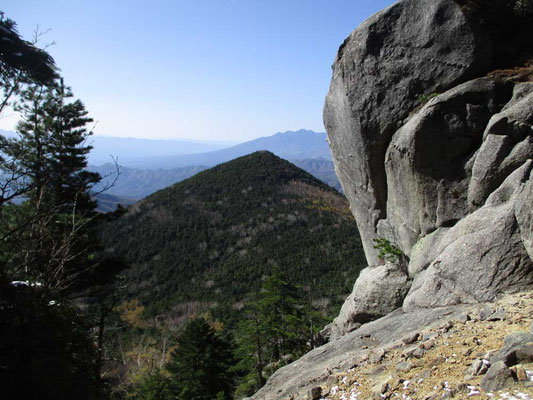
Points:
(448, 182)
(378, 291)
(481, 256)
(412, 48)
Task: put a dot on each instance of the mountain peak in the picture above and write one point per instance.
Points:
(262, 167)
(228, 226)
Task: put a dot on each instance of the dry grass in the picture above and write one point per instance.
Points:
(521, 73)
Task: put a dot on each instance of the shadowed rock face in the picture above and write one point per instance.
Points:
(446, 182)
(412, 48)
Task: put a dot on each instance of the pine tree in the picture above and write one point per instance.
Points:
(250, 336)
(200, 364)
(155, 386)
(280, 306)
(21, 62)
(46, 243)
(277, 327)
(55, 246)
(54, 133)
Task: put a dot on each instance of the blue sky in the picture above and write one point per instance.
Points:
(203, 69)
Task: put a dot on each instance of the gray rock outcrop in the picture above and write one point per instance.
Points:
(481, 256)
(412, 48)
(378, 291)
(448, 182)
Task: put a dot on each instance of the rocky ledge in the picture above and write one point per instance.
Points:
(481, 350)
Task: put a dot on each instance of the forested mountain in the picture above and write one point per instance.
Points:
(136, 183)
(213, 237)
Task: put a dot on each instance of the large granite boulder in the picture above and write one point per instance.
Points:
(447, 182)
(412, 48)
(378, 291)
(429, 160)
(482, 255)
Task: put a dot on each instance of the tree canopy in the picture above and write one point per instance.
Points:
(200, 365)
(21, 59)
(49, 253)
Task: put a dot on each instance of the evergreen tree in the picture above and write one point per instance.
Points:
(280, 305)
(250, 336)
(200, 365)
(55, 246)
(48, 253)
(155, 386)
(53, 135)
(278, 326)
(21, 62)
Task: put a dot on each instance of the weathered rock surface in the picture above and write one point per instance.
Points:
(507, 144)
(412, 48)
(498, 377)
(429, 160)
(518, 348)
(378, 291)
(481, 256)
(450, 184)
(339, 355)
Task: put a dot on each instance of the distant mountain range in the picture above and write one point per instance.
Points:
(290, 145)
(322, 169)
(108, 202)
(129, 150)
(147, 166)
(138, 183)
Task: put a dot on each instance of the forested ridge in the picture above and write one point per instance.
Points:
(212, 238)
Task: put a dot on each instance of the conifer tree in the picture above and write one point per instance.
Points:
(54, 248)
(277, 326)
(21, 62)
(200, 365)
(280, 305)
(155, 386)
(250, 336)
(47, 250)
